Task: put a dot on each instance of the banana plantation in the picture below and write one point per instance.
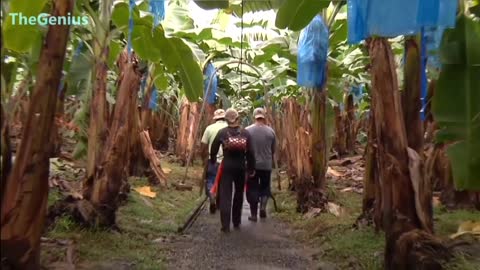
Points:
(374, 104)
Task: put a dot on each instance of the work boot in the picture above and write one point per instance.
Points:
(263, 206)
(253, 212)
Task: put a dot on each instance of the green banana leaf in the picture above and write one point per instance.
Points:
(456, 103)
(178, 57)
(296, 14)
(209, 4)
(17, 37)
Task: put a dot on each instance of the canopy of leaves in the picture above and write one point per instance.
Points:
(153, 45)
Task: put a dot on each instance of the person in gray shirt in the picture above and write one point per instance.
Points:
(258, 185)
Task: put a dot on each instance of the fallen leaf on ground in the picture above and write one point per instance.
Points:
(334, 209)
(145, 191)
(312, 213)
(333, 172)
(358, 178)
(468, 227)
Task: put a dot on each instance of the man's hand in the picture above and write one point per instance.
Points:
(251, 174)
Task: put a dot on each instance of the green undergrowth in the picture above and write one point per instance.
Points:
(143, 223)
(446, 221)
(334, 237)
(337, 242)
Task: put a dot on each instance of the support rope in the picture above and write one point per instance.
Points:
(241, 51)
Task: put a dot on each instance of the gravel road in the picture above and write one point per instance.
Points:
(266, 244)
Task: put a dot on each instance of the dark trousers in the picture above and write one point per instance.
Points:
(258, 186)
(231, 177)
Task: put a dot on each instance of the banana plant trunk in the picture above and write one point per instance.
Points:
(429, 126)
(6, 148)
(350, 124)
(412, 106)
(146, 114)
(182, 133)
(398, 201)
(319, 138)
(110, 184)
(24, 203)
(372, 199)
(340, 134)
(188, 126)
(161, 125)
(411, 102)
(138, 164)
(97, 129)
(59, 117)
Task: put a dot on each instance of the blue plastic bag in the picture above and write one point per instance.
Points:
(209, 70)
(390, 18)
(153, 104)
(157, 8)
(357, 93)
(312, 54)
(131, 6)
(433, 38)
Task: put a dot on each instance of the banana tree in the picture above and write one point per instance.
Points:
(26, 188)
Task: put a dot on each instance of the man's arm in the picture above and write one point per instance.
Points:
(216, 146)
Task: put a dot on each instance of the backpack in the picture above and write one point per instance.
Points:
(235, 142)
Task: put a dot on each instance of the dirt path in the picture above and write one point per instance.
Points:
(266, 244)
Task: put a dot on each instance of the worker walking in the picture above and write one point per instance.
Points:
(238, 159)
(263, 142)
(211, 167)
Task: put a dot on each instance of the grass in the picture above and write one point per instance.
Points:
(333, 236)
(447, 221)
(462, 263)
(53, 196)
(141, 220)
(337, 242)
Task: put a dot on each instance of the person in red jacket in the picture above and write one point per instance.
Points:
(238, 159)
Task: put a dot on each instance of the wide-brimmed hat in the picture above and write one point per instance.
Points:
(259, 113)
(219, 114)
(231, 115)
